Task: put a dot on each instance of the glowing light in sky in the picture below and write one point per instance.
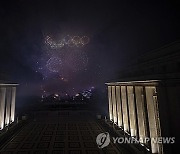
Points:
(62, 57)
(54, 64)
(77, 60)
(85, 40)
(70, 41)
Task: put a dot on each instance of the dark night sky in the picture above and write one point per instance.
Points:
(118, 31)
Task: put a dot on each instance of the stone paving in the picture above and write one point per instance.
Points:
(59, 132)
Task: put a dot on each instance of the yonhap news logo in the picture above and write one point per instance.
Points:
(103, 140)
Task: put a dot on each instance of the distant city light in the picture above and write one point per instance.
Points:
(56, 95)
(87, 93)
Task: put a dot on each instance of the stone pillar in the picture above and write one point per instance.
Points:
(110, 103)
(119, 106)
(8, 106)
(124, 108)
(114, 103)
(141, 113)
(2, 106)
(152, 117)
(132, 112)
(13, 99)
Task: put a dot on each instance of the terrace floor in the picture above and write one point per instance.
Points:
(59, 132)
